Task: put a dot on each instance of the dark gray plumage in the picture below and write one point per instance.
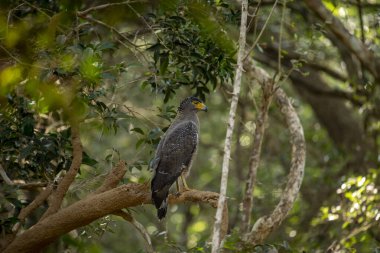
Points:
(175, 152)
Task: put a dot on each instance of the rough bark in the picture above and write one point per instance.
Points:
(113, 178)
(35, 203)
(266, 224)
(96, 206)
(254, 160)
(342, 125)
(218, 225)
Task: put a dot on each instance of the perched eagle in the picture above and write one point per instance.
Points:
(175, 152)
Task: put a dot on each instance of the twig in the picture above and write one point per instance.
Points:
(19, 61)
(104, 6)
(149, 26)
(358, 230)
(113, 29)
(354, 232)
(128, 217)
(261, 32)
(96, 21)
(38, 201)
(26, 211)
(5, 177)
(254, 18)
(360, 10)
(10, 14)
(37, 8)
(216, 237)
(280, 37)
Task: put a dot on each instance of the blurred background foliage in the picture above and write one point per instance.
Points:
(121, 71)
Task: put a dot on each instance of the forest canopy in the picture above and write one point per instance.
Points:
(88, 89)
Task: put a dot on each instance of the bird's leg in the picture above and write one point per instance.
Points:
(185, 186)
(178, 189)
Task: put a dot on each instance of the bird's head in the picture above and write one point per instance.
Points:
(192, 104)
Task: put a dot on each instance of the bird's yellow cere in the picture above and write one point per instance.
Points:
(199, 105)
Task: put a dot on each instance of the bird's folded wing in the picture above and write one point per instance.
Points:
(175, 153)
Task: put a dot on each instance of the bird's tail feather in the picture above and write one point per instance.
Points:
(160, 201)
(161, 212)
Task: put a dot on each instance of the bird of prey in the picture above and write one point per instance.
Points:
(175, 152)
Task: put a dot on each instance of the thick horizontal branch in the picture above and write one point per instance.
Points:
(93, 207)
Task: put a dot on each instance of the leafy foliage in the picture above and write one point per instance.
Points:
(357, 209)
(123, 77)
(27, 146)
(183, 55)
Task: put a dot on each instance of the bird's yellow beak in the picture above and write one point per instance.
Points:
(201, 106)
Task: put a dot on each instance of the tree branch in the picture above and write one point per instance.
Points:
(128, 217)
(104, 6)
(318, 90)
(254, 160)
(113, 29)
(261, 32)
(34, 204)
(93, 207)
(337, 244)
(327, 70)
(365, 56)
(266, 224)
(216, 236)
(63, 186)
(4, 176)
(28, 186)
(113, 178)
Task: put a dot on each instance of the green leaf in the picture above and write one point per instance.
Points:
(106, 46)
(138, 130)
(88, 160)
(139, 142)
(164, 62)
